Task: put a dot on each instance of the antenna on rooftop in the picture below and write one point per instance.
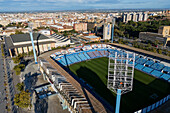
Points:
(32, 40)
(120, 74)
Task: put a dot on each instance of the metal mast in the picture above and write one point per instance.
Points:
(120, 74)
(32, 40)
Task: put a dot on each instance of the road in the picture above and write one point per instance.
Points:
(3, 101)
(11, 87)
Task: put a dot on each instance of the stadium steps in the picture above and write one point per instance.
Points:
(77, 57)
(87, 56)
(69, 59)
(100, 53)
(84, 55)
(94, 54)
(81, 55)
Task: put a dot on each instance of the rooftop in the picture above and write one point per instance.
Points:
(26, 37)
(91, 36)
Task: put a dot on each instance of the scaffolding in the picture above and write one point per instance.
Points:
(121, 71)
(120, 74)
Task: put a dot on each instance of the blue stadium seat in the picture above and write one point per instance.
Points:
(72, 58)
(62, 61)
(106, 53)
(167, 69)
(67, 60)
(91, 54)
(77, 57)
(149, 62)
(141, 61)
(157, 66)
(139, 66)
(82, 57)
(97, 54)
(132, 62)
(102, 52)
(156, 73)
(165, 76)
(147, 69)
(86, 55)
(136, 57)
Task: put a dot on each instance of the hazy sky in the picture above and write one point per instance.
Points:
(28, 5)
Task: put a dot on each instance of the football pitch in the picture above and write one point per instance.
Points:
(146, 89)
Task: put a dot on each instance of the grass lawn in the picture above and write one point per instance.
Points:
(146, 89)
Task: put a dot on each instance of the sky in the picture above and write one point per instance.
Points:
(35, 5)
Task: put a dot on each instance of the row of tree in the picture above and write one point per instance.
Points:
(23, 98)
(132, 29)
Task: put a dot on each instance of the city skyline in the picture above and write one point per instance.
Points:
(51, 5)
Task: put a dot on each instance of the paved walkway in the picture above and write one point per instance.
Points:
(3, 101)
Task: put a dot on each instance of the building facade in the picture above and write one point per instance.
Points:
(21, 43)
(153, 37)
(164, 30)
(133, 16)
(107, 31)
(80, 27)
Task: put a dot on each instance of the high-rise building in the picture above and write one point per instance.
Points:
(133, 16)
(107, 31)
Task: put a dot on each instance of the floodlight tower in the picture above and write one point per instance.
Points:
(120, 74)
(113, 23)
(32, 40)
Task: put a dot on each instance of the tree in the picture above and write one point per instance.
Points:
(16, 59)
(20, 86)
(23, 99)
(18, 32)
(159, 51)
(154, 50)
(19, 68)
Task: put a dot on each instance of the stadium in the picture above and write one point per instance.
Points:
(90, 65)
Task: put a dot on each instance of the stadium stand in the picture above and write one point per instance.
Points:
(157, 66)
(149, 63)
(139, 66)
(82, 57)
(166, 69)
(165, 76)
(72, 58)
(156, 73)
(97, 54)
(87, 56)
(147, 69)
(142, 63)
(91, 55)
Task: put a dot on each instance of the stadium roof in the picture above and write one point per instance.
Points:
(13, 40)
(26, 37)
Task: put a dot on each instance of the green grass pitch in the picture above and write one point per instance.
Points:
(146, 89)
